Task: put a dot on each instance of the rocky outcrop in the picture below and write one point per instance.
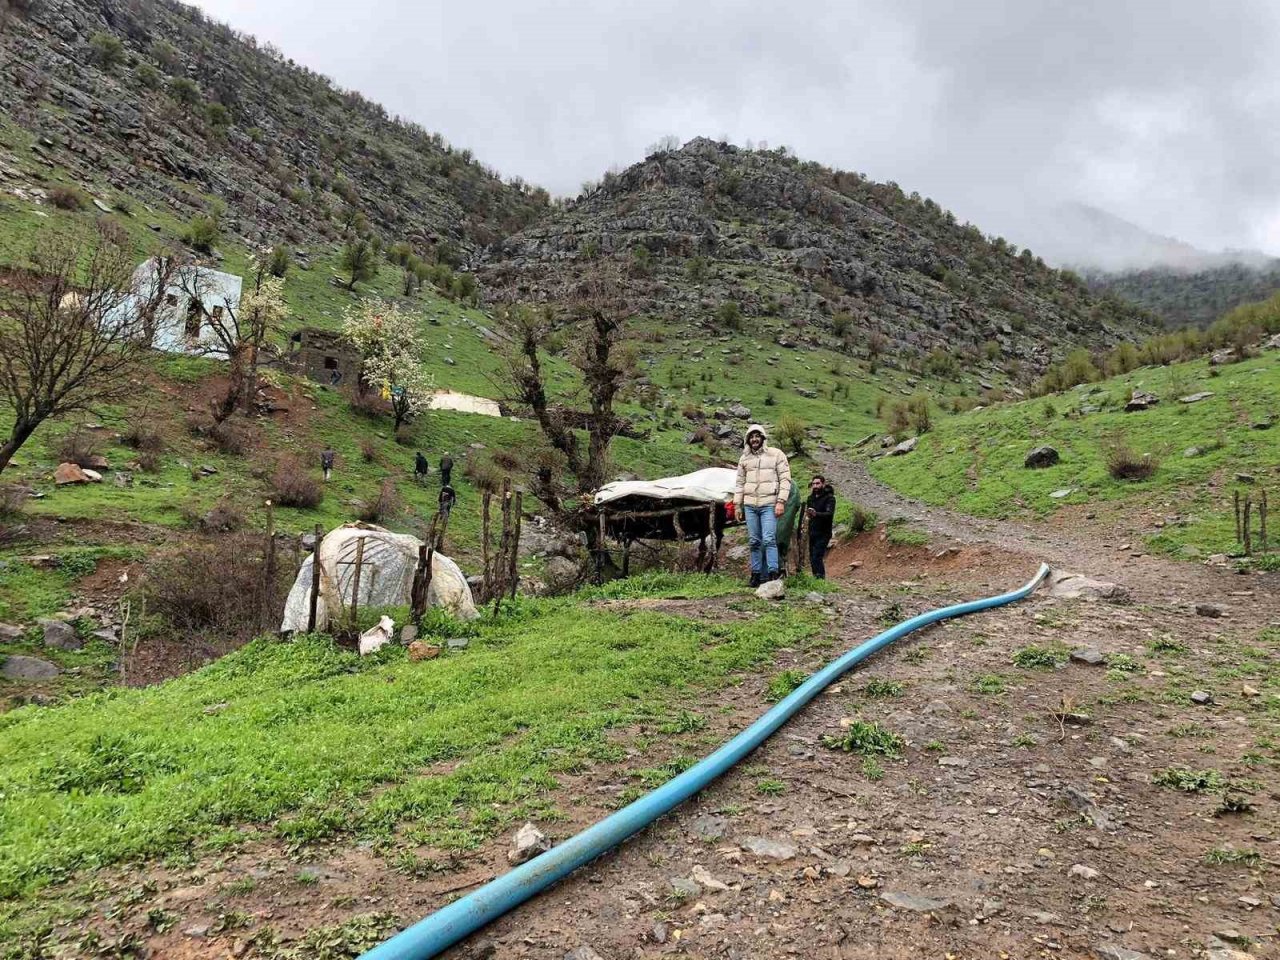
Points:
(193, 107)
(807, 254)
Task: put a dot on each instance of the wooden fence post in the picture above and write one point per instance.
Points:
(514, 579)
(1239, 531)
(355, 586)
(1262, 517)
(600, 547)
(1248, 519)
(487, 585)
(315, 580)
(421, 582)
(268, 593)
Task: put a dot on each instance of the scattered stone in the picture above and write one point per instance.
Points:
(458, 643)
(867, 883)
(1041, 457)
(906, 446)
(1070, 586)
(1089, 656)
(197, 930)
(1262, 425)
(913, 902)
(68, 473)
(702, 876)
(1202, 698)
(1248, 691)
(1210, 610)
(773, 590)
(953, 762)
(1064, 492)
(813, 597)
(1111, 951)
(214, 709)
(708, 827)
(1141, 401)
(1196, 397)
(59, 635)
(9, 633)
(529, 841)
(1221, 357)
(739, 411)
(773, 849)
(1083, 872)
(421, 650)
(659, 933)
(409, 633)
(18, 667)
(583, 952)
(1231, 935)
(684, 887)
(1246, 478)
(1192, 452)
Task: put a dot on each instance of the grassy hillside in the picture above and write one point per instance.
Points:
(974, 461)
(277, 737)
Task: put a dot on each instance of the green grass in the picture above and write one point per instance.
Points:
(1034, 657)
(1189, 781)
(784, 683)
(973, 461)
(867, 739)
(310, 731)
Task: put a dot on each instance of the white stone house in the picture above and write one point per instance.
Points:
(191, 292)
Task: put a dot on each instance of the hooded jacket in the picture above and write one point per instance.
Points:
(764, 478)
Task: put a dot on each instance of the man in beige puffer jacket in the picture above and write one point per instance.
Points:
(760, 495)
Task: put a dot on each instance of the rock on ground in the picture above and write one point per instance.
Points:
(17, 667)
(773, 590)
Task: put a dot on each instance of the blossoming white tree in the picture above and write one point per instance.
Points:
(389, 340)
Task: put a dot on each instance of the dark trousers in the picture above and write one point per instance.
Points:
(445, 474)
(817, 557)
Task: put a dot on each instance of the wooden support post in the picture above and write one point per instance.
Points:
(626, 557)
(513, 580)
(1248, 519)
(487, 571)
(600, 549)
(315, 580)
(1262, 517)
(421, 582)
(355, 586)
(1239, 531)
(502, 562)
(268, 594)
(799, 538)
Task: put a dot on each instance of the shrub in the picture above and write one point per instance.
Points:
(368, 451)
(79, 447)
(791, 433)
(1124, 463)
(148, 76)
(1038, 658)
(68, 198)
(278, 263)
(293, 485)
(142, 434)
(184, 90)
(367, 404)
(107, 50)
(218, 586)
(729, 315)
(12, 500)
(225, 517)
(230, 437)
(149, 462)
(484, 474)
(406, 435)
(201, 233)
(861, 519)
(385, 505)
(867, 739)
(217, 116)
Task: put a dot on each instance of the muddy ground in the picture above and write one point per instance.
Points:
(1025, 817)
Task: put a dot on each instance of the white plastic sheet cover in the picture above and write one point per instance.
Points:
(712, 485)
(386, 577)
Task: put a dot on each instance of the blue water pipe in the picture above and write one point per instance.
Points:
(448, 925)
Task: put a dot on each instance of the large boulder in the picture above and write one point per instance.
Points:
(1041, 457)
(906, 446)
(1141, 401)
(561, 574)
(68, 473)
(60, 635)
(18, 667)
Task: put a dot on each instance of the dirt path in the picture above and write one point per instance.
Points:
(1029, 813)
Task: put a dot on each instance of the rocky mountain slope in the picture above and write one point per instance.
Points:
(827, 252)
(1192, 297)
(147, 101)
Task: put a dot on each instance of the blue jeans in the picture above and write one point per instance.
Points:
(762, 529)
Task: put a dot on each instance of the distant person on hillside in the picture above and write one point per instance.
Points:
(447, 499)
(446, 469)
(326, 462)
(760, 495)
(820, 508)
(420, 467)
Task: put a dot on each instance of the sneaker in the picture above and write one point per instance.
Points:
(755, 579)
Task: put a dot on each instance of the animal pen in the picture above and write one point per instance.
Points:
(696, 506)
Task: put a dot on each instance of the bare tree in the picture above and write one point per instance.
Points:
(71, 330)
(238, 332)
(606, 365)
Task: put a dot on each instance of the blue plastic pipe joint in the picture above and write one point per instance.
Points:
(448, 925)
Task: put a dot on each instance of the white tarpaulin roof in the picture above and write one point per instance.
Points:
(712, 485)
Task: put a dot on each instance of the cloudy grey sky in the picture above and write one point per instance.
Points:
(1160, 111)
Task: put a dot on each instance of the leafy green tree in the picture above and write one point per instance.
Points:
(359, 260)
(184, 90)
(202, 233)
(107, 50)
(279, 261)
(729, 315)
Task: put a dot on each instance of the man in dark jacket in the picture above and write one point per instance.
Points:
(420, 467)
(446, 469)
(820, 508)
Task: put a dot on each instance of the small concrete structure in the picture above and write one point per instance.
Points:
(191, 292)
(325, 357)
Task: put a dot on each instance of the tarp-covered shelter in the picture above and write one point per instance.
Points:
(387, 562)
(694, 506)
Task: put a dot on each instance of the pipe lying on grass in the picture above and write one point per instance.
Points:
(447, 926)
